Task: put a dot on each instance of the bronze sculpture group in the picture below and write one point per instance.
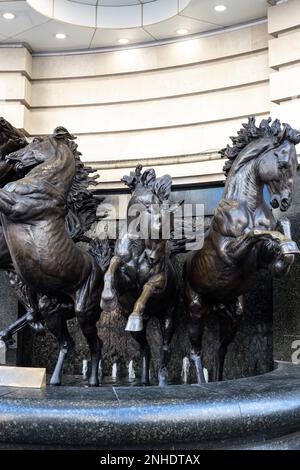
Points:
(46, 207)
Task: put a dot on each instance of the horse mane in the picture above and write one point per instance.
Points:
(250, 132)
(148, 180)
(81, 201)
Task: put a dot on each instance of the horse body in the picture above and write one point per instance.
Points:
(141, 280)
(243, 239)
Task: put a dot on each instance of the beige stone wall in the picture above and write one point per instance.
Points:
(284, 56)
(171, 106)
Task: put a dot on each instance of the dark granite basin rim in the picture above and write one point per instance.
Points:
(265, 406)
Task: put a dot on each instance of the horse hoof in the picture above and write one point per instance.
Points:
(162, 381)
(134, 323)
(93, 384)
(145, 384)
(55, 383)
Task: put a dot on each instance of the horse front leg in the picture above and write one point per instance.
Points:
(135, 320)
(109, 298)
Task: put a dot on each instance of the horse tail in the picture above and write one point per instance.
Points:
(102, 252)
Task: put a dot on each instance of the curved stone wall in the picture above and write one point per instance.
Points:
(175, 103)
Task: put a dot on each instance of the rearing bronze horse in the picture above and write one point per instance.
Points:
(244, 236)
(43, 254)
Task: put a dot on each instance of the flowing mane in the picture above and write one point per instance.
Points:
(276, 132)
(161, 187)
(81, 200)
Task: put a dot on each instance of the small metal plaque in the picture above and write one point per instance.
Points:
(28, 377)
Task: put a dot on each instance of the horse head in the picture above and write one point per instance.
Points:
(149, 200)
(47, 155)
(272, 150)
(10, 140)
(278, 169)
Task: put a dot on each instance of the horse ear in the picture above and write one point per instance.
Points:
(134, 178)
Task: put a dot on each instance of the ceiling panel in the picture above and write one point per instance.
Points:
(26, 18)
(197, 17)
(238, 11)
(103, 38)
(178, 22)
(42, 37)
(115, 3)
(86, 2)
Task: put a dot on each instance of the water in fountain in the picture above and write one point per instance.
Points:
(85, 368)
(185, 370)
(131, 371)
(114, 372)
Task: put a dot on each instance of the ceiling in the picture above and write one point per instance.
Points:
(92, 24)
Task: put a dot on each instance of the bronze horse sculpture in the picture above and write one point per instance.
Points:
(67, 279)
(10, 140)
(81, 214)
(141, 280)
(244, 237)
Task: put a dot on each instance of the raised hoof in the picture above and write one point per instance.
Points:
(134, 323)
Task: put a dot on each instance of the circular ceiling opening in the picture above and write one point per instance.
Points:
(114, 14)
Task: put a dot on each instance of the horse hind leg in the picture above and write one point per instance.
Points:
(229, 319)
(87, 323)
(141, 338)
(57, 325)
(167, 325)
(195, 312)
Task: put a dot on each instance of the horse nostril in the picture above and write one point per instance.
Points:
(274, 203)
(285, 203)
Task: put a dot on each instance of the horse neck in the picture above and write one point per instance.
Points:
(59, 171)
(245, 185)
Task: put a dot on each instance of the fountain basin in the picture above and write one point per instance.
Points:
(238, 413)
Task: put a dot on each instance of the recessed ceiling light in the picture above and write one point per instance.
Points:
(220, 7)
(61, 36)
(123, 41)
(182, 31)
(8, 16)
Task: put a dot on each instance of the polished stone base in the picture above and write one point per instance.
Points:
(257, 412)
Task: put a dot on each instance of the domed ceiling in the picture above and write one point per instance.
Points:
(66, 25)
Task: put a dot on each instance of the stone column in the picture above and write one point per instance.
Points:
(284, 60)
